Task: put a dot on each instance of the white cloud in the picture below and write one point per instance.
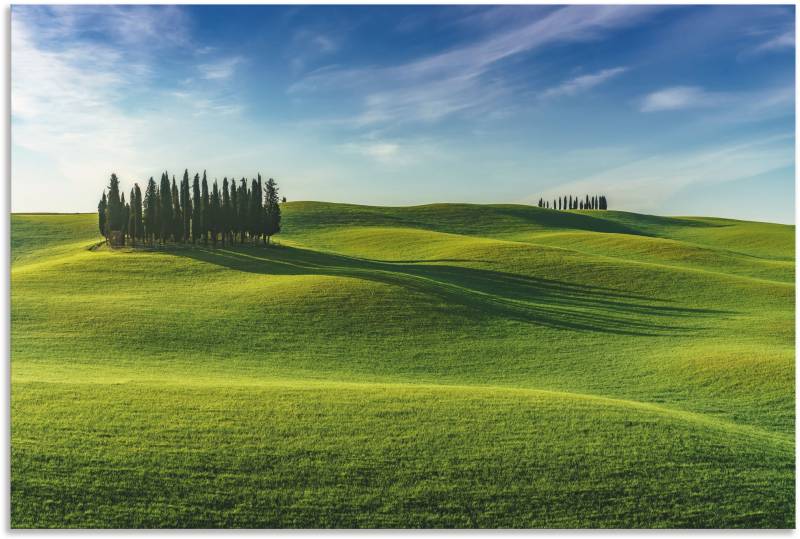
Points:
(380, 151)
(729, 107)
(88, 109)
(65, 103)
(583, 83)
(680, 97)
(145, 28)
(405, 151)
(222, 69)
(782, 41)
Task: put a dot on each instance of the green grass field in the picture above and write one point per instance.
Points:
(436, 366)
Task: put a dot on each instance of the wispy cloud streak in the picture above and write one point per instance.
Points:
(458, 80)
(583, 83)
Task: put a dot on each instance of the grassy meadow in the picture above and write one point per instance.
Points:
(445, 365)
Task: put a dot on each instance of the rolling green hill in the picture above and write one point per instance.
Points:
(447, 365)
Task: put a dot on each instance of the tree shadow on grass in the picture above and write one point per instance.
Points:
(526, 299)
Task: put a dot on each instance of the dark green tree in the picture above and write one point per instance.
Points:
(115, 208)
(125, 212)
(177, 214)
(186, 206)
(272, 211)
(256, 210)
(125, 230)
(197, 210)
(101, 215)
(225, 219)
(215, 213)
(151, 211)
(205, 207)
(165, 208)
(244, 209)
(234, 210)
(132, 218)
(137, 210)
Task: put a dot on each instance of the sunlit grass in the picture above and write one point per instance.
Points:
(445, 365)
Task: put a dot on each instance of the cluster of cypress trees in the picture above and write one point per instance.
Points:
(596, 202)
(184, 213)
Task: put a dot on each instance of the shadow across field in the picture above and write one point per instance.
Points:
(487, 293)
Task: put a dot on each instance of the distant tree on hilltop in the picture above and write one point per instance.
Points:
(272, 211)
(234, 211)
(101, 214)
(126, 211)
(225, 211)
(186, 206)
(177, 214)
(137, 211)
(594, 202)
(205, 206)
(244, 209)
(114, 208)
(197, 209)
(215, 210)
(151, 211)
(132, 218)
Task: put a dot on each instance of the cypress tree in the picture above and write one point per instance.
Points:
(157, 229)
(132, 218)
(127, 216)
(215, 210)
(151, 211)
(255, 210)
(177, 215)
(165, 208)
(197, 209)
(205, 209)
(261, 214)
(137, 211)
(225, 221)
(272, 211)
(124, 218)
(115, 208)
(186, 206)
(101, 215)
(244, 208)
(234, 210)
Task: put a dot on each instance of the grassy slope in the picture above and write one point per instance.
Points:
(443, 365)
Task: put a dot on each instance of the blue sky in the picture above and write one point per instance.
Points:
(675, 110)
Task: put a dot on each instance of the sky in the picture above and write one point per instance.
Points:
(671, 110)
